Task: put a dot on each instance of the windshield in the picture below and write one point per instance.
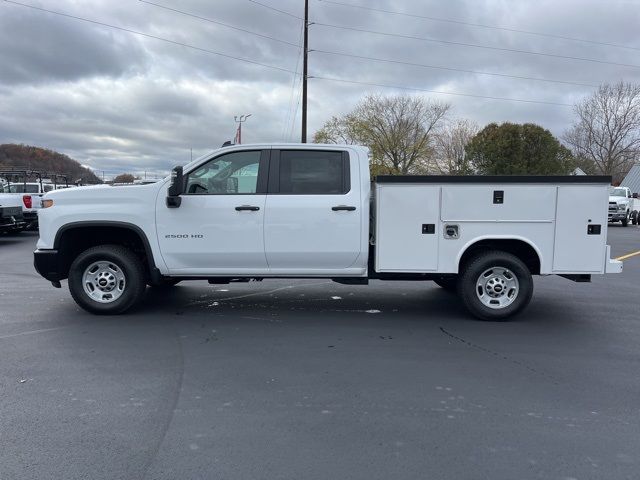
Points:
(618, 192)
(20, 188)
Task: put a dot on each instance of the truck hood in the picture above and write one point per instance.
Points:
(104, 193)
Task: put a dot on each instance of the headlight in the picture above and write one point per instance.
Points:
(47, 203)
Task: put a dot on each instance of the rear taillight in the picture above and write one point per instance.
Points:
(26, 199)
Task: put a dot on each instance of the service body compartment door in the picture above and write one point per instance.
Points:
(581, 229)
(498, 202)
(407, 227)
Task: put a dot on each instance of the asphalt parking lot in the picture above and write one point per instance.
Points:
(314, 380)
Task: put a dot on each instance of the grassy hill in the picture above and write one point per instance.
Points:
(43, 160)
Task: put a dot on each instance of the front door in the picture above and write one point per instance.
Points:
(218, 228)
(313, 220)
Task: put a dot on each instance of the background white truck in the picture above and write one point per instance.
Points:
(622, 206)
(311, 211)
(11, 218)
(19, 184)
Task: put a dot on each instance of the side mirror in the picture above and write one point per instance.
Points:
(176, 188)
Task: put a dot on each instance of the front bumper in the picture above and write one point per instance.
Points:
(617, 215)
(48, 264)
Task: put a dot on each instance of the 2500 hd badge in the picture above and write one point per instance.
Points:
(186, 235)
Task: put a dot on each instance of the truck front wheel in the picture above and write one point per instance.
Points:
(107, 279)
(495, 286)
(625, 221)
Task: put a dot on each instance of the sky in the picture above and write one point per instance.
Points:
(119, 101)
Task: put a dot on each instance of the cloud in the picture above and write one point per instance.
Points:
(118, 102)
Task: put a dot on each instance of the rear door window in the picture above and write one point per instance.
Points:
(308, 172)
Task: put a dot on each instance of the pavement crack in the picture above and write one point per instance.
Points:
(501, 356)
(172, 411)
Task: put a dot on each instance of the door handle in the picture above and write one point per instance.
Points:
(250, 208)
(343, 207)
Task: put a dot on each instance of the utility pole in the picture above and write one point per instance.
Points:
(304, 71)
(240, 120)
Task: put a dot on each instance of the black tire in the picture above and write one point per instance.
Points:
(470, 293)
(625, 222)
(634, 217)
(165, 282)
(125, 260)
(449, 283)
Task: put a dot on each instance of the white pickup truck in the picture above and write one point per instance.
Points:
(310, 211)
(29, 194)
(622, 206)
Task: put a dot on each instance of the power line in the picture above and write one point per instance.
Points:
(481, 25)
(148, 35)
(295, 112)
(218, 23)
(186, 45)
(399, 87)
(276, 9)
(399, 62)
(293, 89)
(487, 47)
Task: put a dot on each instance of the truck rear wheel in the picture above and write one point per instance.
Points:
(107, 279)
(634, 217)
(495, 286)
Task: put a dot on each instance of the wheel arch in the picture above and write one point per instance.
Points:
(521, 247)
(75, 237)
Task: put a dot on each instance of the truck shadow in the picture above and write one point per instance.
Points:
(411, 303)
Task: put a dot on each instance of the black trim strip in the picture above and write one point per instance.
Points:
(107, 223)
(493, 179)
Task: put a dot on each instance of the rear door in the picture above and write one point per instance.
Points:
(313, 214)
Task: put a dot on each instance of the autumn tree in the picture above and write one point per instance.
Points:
(124, 178)
(450, 154)
(606, 131)
(399, 131)
(45, 161)
(518, 149)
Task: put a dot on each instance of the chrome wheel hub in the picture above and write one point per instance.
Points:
(104, 281)
(497, 287)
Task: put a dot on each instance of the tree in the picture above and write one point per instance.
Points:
(124, 178)
(514, 149)
(450, 155)
(606, 131)
(399, 131)
(45, 161)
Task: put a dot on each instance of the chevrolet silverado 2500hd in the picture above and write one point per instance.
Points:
(310, 211)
